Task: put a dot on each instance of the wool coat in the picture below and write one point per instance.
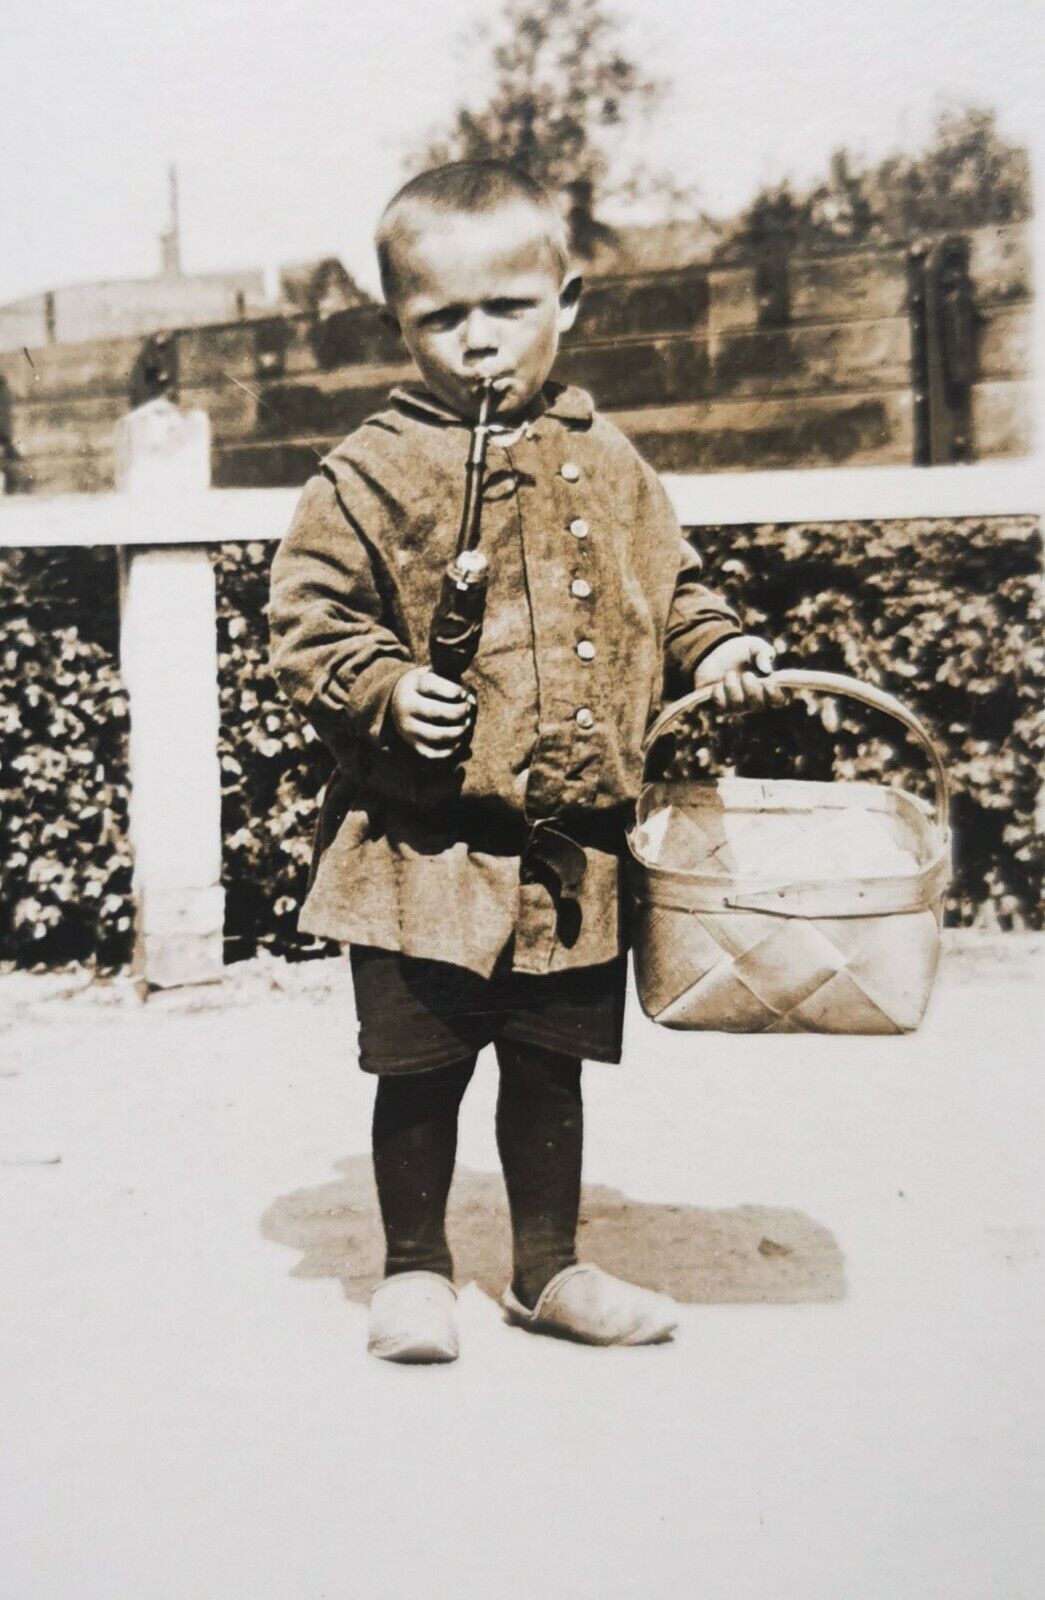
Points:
(595, 609)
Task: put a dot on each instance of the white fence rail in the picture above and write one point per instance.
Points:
(849, 494)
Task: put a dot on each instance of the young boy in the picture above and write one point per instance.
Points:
(469, 847)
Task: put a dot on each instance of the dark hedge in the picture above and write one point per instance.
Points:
(65, 867)
(944, 614)
(272, 770)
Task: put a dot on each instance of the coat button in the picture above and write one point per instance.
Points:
(579, 528)
(581, 588)
(584, 718)
(586, 650)
(570, 471)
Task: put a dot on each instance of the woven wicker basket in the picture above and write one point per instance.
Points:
(786, 906)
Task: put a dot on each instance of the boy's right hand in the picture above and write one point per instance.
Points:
(432, 714)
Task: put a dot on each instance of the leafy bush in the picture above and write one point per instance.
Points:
(944, 614)
(272, 770)
(65, 886)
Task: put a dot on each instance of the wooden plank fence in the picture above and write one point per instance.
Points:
(708, 368)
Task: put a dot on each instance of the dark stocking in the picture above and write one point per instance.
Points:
(540, 1127)
(415, 1144)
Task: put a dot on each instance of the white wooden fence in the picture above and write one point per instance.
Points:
(164, 516)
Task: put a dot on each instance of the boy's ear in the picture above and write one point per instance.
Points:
(569, 301)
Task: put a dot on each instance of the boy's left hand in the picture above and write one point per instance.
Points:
(738, 668)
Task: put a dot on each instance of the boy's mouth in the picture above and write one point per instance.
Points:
(496, 384)
(489, 391)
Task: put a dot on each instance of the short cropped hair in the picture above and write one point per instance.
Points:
(463, 188)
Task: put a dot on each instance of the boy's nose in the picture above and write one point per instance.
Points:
(479, 337)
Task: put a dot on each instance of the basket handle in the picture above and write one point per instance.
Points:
(835, 683)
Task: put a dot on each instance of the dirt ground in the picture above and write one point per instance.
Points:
(853, 1406)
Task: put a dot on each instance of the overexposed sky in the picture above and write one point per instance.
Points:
(290, 124)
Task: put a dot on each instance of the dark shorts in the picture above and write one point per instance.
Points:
(416, 1015)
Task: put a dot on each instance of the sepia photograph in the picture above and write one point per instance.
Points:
(521, 818)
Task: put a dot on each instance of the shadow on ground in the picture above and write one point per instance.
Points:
(750, 1253)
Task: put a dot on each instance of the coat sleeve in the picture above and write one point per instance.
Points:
(698, 618)
(334, 646)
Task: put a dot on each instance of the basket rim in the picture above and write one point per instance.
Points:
(893, 894)
(876, 797)
(688, 889)
(822, 788)
(797, 679)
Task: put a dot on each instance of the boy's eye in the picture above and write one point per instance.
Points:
(444, 319)
(505, 307)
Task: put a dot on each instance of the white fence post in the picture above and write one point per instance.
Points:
(168, 654)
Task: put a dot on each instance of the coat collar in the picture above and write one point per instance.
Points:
(562, 401)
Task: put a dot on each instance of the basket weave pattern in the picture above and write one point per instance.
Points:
(747, 973)
(788, 907)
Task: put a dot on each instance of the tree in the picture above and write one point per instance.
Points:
(563, 92)
(968, 176)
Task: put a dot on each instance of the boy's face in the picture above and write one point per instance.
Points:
(480, 297)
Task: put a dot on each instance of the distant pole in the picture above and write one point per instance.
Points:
(170, 242)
